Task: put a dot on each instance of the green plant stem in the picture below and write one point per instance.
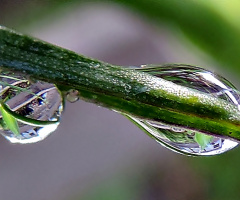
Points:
(125, 90)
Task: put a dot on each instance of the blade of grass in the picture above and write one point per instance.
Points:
(9, 120)
(25, 120)
(126, 90)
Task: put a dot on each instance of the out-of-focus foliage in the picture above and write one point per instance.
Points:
(206, 26)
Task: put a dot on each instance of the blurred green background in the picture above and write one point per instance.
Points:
(97, 154)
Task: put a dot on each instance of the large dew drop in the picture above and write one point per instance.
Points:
(183, 140)
(30, 111)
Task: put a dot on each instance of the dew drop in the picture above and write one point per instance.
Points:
(183, 140)
(36, 108)
(72, 95)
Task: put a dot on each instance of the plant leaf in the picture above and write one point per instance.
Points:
(26, 120)
(10, 121)
(203, 140)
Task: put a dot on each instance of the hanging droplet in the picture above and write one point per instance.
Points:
(30, 111)
(182, 139)
(72, 95)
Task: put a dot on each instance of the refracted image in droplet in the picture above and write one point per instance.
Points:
(30, 111)
(182, 139)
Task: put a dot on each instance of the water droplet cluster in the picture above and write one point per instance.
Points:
(182, 139)
(35, 107)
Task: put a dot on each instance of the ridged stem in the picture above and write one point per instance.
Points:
(125, 90)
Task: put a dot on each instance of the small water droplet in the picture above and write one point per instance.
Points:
(183, 140)
(36, 106)
(72, 95)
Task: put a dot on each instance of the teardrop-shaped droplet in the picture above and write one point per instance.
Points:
(35, 107)
(182, 139)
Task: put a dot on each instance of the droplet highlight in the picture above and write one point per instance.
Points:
(36, 107)
(182, 139)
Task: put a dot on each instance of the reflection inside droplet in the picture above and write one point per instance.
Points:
(37, 106)
(181, 139)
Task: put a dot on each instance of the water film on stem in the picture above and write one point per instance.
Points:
(30, 110)
(182, 139)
